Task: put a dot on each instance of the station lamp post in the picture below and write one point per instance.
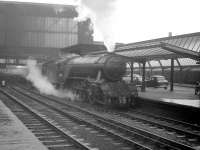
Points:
(172, 75)
(143, 89)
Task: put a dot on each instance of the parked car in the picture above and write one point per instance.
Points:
(157, 81)
(137, 79)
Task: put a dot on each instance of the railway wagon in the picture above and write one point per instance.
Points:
(95, 78)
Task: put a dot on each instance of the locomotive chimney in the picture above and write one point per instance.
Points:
(169, 34)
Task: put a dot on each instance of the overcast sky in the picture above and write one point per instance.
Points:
(136, 20)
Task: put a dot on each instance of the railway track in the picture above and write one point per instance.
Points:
(191, 130)
(156, 135)
(52, 137)
(71, 122)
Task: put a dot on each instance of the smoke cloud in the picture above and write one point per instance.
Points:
(100, 12)
(42, 83)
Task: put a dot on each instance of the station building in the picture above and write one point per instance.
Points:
(42, 30)
(38, 30)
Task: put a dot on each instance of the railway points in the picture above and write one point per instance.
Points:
(118, 118)
(191, 141)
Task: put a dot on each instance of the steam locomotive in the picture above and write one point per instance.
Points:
(95, 78)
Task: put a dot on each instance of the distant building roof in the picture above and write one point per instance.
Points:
(102, 43)
(83, 49)
(37, 9)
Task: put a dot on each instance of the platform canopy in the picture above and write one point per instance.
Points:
(178, 48)
(181, 46)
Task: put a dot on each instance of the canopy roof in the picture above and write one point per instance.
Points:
(181, 46)
(185, 49)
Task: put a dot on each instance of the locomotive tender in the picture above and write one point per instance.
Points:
(95, 78)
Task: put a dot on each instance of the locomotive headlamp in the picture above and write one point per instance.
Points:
(60, 74)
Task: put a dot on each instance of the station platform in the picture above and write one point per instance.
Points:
(182, 95)
(13, 133)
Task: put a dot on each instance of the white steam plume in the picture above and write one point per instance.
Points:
(100, 12)
(42, 83)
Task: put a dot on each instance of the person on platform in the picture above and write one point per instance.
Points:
(3, 83)
(197, 88)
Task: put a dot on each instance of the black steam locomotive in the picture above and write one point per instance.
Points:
(95, 78)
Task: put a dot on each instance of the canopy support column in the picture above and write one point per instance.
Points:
(150, 68)
(161, 66)
(143, 89)
(131, 71)
(140, 69)
(17, 61)
(179, 64)
(172, 75)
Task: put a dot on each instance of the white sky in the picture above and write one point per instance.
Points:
(136, 20)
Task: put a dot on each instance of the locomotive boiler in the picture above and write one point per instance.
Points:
(95, 78)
